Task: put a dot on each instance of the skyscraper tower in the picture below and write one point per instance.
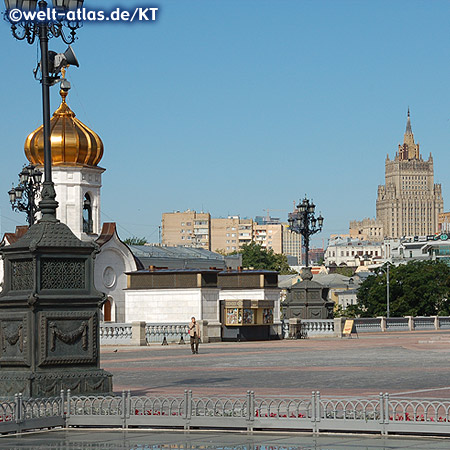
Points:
(409, 202)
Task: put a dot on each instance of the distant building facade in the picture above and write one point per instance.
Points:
(367, 229)
(409, 203)
(352, 252)
(444, 222)
(229, 234)
(187, 228)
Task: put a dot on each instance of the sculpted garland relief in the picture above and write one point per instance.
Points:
(68, 338)
(13, 340)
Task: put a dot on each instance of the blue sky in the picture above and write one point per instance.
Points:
(236, 106)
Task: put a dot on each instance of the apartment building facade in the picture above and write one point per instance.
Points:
(187, 228)
(229, 234)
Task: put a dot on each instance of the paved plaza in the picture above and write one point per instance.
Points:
(409, 363)
(175, 440)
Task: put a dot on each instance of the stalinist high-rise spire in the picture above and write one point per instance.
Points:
(409, 150)
(408, 124)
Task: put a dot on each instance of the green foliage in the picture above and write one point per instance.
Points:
(256, 257)
(419, 288)
(346, 271)
(135, 241)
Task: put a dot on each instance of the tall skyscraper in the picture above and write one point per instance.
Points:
(409, 202)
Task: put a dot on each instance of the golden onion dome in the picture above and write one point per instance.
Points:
(72, 142)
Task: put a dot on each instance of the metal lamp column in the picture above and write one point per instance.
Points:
(302, 221)
(49, 306)
(43, 30)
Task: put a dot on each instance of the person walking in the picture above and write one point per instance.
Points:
(194, 333)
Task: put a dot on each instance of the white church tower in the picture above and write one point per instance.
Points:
(76, 152)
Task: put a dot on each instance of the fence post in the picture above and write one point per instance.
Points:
(187, 409)
(68, 405)
(128, 405)
(124, 410)
(313, 411)
(318, 412)
(386, 413)
(436, 323)
(17, 408)
(410, 323)
(338, 326)
(138, 334)
(62, 410)
(380, 399)
(250, 410)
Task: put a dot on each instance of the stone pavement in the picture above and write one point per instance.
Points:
(154, 440)
(409, 363)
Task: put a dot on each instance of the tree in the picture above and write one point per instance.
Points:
(256, 257)
(346, 271)
(135, 241)
(419, 288)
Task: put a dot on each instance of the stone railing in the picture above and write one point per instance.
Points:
(382, 414)
(171, 332)
(141, 333)
(409, 323)
(304, 328)
(115, 333)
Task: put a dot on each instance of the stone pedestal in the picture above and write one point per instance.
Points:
(339, 323)
(214, 332)
(49, 316)
(295, 327)
(138, 334)
(308, 299)
(203, 325)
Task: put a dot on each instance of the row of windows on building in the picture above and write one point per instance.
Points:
(355, 253)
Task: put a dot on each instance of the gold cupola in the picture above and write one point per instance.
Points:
(72, 142)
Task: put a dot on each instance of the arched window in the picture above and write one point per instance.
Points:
(88, 226)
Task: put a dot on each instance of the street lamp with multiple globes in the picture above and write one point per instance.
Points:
(302, 221)
(23, 197)
(51, 62)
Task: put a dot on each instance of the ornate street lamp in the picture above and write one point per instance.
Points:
(23, 197)
(302, 221)
(29, 30)
(49, 306)
(50, 61)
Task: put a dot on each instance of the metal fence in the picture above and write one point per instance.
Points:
(379, 414)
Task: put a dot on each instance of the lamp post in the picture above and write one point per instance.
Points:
(302, 221)
(43, 30)
(49, 306)
(386, 270)
(23, 197)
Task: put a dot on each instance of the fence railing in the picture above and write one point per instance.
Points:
(116, 333)
(380, 414)
(317, 327)
(122, 333)
(172, 332)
